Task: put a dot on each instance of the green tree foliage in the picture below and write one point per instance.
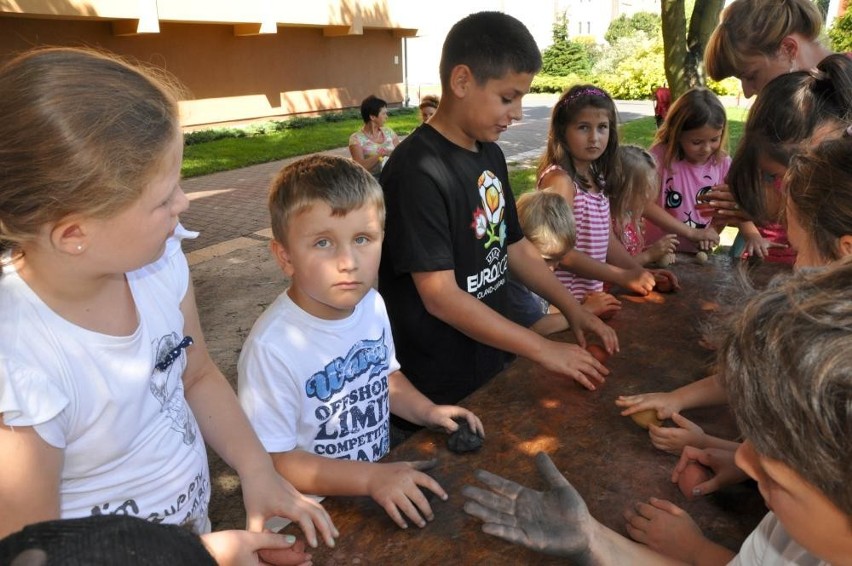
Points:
(625, 26)
(840, 33)
(564, 57)
(631, 67)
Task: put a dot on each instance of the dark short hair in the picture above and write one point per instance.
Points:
(491, 44)
(371, 106)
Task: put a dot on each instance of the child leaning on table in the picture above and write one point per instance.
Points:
(453, 233)
(107, 390)
(547, 222)
(318, 375)
(786, 366)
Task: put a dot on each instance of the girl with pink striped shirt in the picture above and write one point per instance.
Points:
(581, 148)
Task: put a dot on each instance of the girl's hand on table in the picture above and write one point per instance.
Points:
(396, 486)
(555, 521)
(602, 305)
(675, 284)
(244, 548)
(665, 245)
(721, 461)
(673, 440)
(573, 361)
(638, 280)
(266, 494)
(664, 403)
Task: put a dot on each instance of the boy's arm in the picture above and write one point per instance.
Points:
(396, 486)
(526, 264)
(408, 402)
(551, 323)
(444, 300)
(225, 427)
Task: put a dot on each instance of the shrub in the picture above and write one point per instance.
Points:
(840, 33)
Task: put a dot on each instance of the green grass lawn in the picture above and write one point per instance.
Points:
(317, 135)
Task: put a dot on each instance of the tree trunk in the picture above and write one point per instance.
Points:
(684, 52)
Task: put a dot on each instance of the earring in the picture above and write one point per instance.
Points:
(79, 247)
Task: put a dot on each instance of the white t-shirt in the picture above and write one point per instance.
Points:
(770, 544)
(320, 385)
(130, 441)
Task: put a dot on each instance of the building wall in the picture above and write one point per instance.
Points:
(230, 78)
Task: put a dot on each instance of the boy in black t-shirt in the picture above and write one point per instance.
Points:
(452, 230)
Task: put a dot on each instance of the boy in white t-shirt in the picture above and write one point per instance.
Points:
(318, 373)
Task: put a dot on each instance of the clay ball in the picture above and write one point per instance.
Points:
(464, 439)
(701, 257)
(693, 474)
(646, 418)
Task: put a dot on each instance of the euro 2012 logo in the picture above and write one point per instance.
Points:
(488, 219)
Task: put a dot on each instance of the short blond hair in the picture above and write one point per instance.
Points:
(340, 183)
(547, 222)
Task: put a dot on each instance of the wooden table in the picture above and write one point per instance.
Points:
(607, 457)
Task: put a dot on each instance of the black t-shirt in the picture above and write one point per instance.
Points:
(448, 208)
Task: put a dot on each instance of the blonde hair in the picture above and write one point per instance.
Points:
(80, 132)
(633, 183)
(429, 101)
(547, 222)
(696, 108)
(756, 27)
(339, 182)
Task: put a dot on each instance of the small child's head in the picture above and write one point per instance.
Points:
(634, 182)
(328, 218)
(695, 128)
(547, 222)
(791, 109)
(787, 368)
(583, 132)
(81, 133)
(428, 106)
(819, 203)
(752, 42)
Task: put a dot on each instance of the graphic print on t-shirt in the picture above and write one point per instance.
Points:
(352, 421)
(489, 224)
(674, 200)
(166, 384)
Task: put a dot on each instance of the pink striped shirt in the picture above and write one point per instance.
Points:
(592, 220)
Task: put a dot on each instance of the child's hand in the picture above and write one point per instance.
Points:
(266, 494)
(601, 304)
(396, 487)
(673, 440)
(666, 528)
(665, 245)
(757, 245)
(441, 416)
(673, 282)
(581, 321)
(704, 238)
(237, 548)
(572, 361)
(637, 280)
(721, 461)
(664, 403)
